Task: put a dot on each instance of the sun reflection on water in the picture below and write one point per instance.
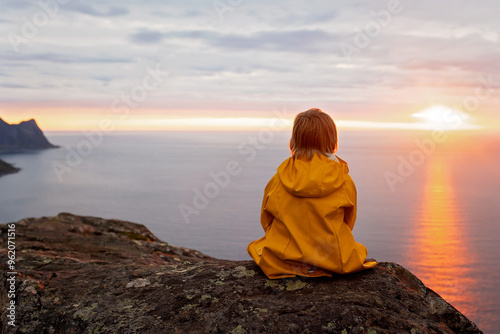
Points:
(439, 254)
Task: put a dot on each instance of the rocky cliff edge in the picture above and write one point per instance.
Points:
(90, 275)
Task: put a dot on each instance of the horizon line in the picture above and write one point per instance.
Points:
(255, 123)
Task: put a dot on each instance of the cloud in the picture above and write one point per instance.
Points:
(62, 58)
(469, 53)
(100, 11)
(259, 53)
(299, 41)
(16, 4)
(10, 85)
(146, 37)
(191, 13)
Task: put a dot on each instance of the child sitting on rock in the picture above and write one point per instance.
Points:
(309, 208)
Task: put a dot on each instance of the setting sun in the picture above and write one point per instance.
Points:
(445, 118)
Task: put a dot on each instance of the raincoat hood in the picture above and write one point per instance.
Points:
(316, 178)
(308, 213)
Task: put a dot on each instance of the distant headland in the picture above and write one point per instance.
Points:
(21, 137)
(25, 136)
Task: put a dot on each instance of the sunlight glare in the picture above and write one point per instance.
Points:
(445, 118)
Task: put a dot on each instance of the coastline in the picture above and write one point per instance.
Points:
(6, 168)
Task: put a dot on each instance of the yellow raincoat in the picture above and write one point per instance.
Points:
(308, 212)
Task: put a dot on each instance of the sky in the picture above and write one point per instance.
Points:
(158, 65)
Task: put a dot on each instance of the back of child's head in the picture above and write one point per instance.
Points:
(313, 132)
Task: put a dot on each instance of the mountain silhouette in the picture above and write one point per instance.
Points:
(21, 137)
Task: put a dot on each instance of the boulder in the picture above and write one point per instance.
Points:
(90, 275)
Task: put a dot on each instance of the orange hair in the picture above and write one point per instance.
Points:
(313, 132)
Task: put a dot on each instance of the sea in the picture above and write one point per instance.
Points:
(426, 200)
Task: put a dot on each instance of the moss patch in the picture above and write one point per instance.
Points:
(238, 330)
(135, 236)
(275, 284)
(295, 285)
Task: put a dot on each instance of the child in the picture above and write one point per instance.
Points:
(309, 208)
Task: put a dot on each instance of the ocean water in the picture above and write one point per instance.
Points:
(426, 202)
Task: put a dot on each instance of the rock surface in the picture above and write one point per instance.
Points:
(90, 275)
(6, 168)
(23, 136)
